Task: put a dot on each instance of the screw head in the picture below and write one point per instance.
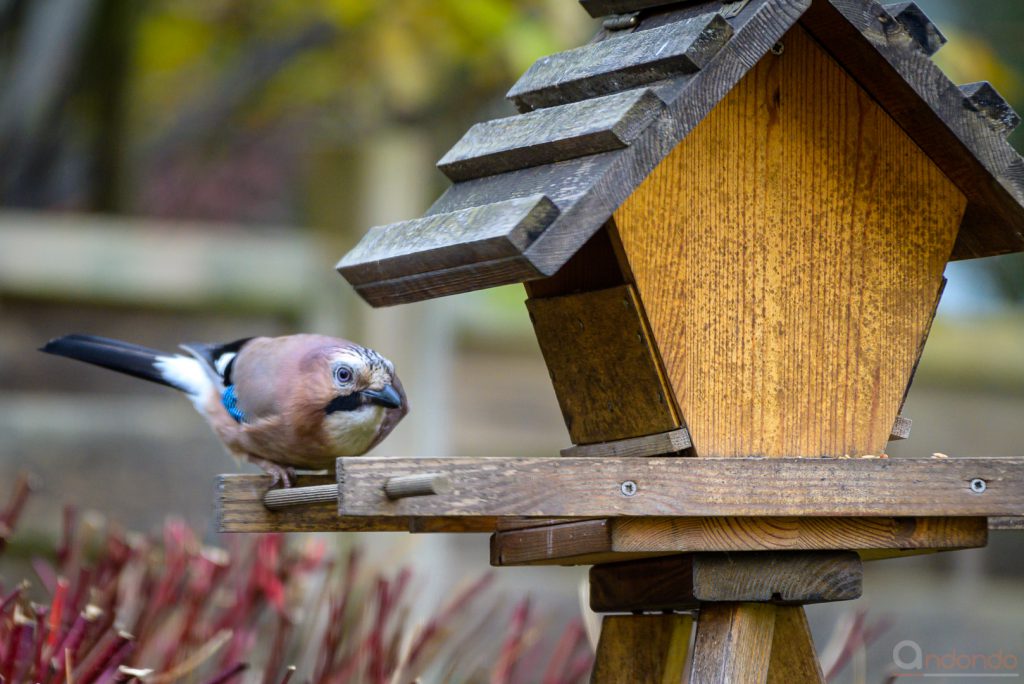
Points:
(978, 485)
(628, 488)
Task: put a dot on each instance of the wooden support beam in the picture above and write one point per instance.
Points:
(683, 582)
(793, 658)
(685, 487)
(642, 648)
(241, 508)
(733, 644)
(622, 62)
(587, 542)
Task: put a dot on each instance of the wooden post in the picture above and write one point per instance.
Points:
(642, 648)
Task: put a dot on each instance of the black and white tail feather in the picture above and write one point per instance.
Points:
(207, 367)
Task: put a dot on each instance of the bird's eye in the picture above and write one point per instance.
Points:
(343, 374)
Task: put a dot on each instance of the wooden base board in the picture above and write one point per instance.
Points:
(587, 542)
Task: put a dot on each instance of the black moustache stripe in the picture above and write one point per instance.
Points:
(349, 402)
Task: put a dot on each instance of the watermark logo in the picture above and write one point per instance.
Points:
(914, 661)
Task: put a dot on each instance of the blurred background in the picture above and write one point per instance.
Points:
(192, 170)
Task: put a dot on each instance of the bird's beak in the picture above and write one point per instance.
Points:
(386, 397)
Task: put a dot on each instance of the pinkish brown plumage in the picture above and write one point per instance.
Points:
(298, 401)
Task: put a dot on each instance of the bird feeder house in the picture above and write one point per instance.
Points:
(732, 221)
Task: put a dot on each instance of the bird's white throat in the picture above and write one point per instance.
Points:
(350, 433)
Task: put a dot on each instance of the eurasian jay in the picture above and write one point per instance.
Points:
(282, 403)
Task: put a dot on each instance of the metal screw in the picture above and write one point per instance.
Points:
(978, 485)
(628, 488)
(778, 49)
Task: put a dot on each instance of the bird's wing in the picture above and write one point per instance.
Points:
(217, 360)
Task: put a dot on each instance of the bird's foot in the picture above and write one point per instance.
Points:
(280, 475)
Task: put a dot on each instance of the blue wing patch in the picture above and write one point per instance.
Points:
(230, 401)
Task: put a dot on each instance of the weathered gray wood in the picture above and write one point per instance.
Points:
(278, 499)
(900, 428)
(586, 190)
(662, 444)
(923, 30)
(240, 508)
(602, 8)
(550, 135)
(492, 231)
(1001, 524)
(682, 582)
(425, 484)
(622, 62)
(931, 109)
(598, 487)
(982, 97)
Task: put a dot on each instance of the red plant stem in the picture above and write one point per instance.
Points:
(229, 673)
(289, 671)
(505, 666)
(579, 667)
(111, 670)
(96, 664)
(571, 637)
(9, 599)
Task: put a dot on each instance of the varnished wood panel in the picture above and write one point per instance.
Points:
(665, 487)
(733, 643)
(793, 658)
(606, 375)
(587, 542)
(642, 648)
(788, 253)
(682, 582)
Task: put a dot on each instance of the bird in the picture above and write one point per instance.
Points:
(282, 403)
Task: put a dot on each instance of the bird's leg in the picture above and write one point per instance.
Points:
(281, 475)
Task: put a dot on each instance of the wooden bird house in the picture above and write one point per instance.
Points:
(732, 221)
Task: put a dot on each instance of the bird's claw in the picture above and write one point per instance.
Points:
(280, 475)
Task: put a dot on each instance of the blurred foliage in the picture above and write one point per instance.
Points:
(209, 109)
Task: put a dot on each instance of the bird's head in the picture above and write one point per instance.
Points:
(366, 402)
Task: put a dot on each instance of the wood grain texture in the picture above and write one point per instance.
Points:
(927, 36)
(683, 582)
(642, 648)
(588, 542)
(605, 372)
(621, 62)
(551, 135)
(492, 231)
(671, 443)
(592, 487)
(901, 428)
(1006, 523)
(240, 508)
(586, 190)
(733, 643)
(596, 266)
(793, 657)
(788, 317)
(930, 108)
(982, 97)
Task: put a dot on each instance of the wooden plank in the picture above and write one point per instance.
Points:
(551, 135)
(998, 523)
(789, 326)
(793, 658)
(622, 62)
(642, 648)
(927, 36)
(587, 189)
(597, 487)
(982, 97)
(500, 230)
(733, 643)
(595, 266)
(930, 108)
(900, 429)
(240, 509)
(683, 582)
(606, 375)
(670, 443)
(588, 542)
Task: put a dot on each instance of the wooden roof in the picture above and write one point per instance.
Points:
(531, 189)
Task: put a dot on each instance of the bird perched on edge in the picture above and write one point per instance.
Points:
(298, 401)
